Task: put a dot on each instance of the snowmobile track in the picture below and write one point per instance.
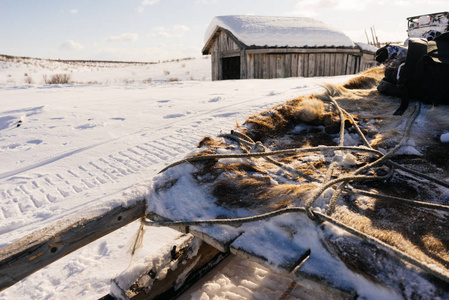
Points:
(25, 192)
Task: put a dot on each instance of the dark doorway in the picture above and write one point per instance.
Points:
(231, 67)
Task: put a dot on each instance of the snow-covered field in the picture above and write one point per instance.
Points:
(66, 148)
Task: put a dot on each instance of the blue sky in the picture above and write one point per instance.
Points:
(152, 30)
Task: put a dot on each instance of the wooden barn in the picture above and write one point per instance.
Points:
(249, 47)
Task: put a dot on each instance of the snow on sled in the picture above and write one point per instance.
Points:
(332, 188)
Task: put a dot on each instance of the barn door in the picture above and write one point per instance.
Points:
(230, 67)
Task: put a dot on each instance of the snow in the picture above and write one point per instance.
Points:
(266, 31)
(367, 47)
(445, 137)
(74, 149)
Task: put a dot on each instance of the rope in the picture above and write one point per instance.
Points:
(403, 200)
(341, 187)
(416, 173)
(342, 121)
(231, 222)
(236, 138)
(242, 135)
(356, 126)
(397, 147)
(277, 152)
(333, 200)
(258, 147)
(389, 249)
(325, 186)
(379, 161)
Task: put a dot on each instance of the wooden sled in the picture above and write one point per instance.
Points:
(331, 188)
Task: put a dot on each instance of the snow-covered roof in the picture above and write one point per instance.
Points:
(264, 31)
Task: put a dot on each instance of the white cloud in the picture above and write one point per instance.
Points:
(74, 11)
(159, 32)
(312, 8)
(124, 37)
(176, 31)
(144, 3)
(160, 52)
(180, 28)
(71, 46)
(420, 2)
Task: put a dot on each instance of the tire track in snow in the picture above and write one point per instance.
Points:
(50, 160)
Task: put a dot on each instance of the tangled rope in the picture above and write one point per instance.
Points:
(258, 150)
(366, 167)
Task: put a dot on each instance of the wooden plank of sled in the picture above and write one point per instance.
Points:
(200, 232)
(188, 262)
(266, 246)
(322, 287)
(222, 246)
(321, 282)
(42, 247)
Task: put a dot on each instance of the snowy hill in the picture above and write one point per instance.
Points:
(19, 71)
(67, 147)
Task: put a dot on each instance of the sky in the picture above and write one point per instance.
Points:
(154, 30)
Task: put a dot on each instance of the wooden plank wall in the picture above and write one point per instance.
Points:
(368, 61)
(224, 46)
(265, 66)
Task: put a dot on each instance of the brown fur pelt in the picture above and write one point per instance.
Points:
(309, 121)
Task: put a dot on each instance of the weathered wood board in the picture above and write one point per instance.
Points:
(187, 261)
(42, 247)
